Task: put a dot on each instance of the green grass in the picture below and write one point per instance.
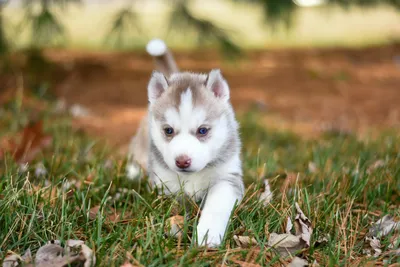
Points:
(341, 198)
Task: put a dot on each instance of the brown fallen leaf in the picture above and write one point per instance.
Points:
(298, 262)
(394, 241)
(14, 259)
(27, 257)
(40, 170)
(61, 262)
(302, 225)
(49, 252)
(45, 192)
(383, 227)
(33, 141)
(93, 212)
(245, 264)
(375, 244)
(245, 241)
(78, 247)
(75, 251)
(289, 225)
(53, 254)
(379, 229)
(266, 195)
(395, 252)
(322, 240)
(314, 264)
(11, 260)
(287, 244)
(312, 167)
(109, 213)
(130, 261)
(174, 226)
(376, 165)
(127, 264)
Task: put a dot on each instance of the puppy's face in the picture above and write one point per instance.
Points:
(189, 123)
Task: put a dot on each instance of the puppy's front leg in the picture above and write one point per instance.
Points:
(215, 215)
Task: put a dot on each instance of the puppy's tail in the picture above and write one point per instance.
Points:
(163, 58)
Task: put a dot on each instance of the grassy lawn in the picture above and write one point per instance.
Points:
(342, 183)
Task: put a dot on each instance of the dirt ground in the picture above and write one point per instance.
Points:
(303, 90)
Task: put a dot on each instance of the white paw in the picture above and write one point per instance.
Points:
(209, 236)
(133, 171)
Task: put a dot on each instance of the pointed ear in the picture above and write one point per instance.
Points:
(217, 84)
(157, 86)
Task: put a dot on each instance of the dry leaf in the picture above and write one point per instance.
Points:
(49, 252)
(11, 261)
(127, 264)
(111, 215)
(40, 170)
(395, 252)
(375, 244)
(298, 262)
(78, 247)
(45, 192)
(77, 110)
(63, 262)
(376, 165)
(322, 239)
(23, 167)
(394, 241)
(380, 228)
(312, 167)
(245, 264)
(53, 255)
(174, 226)
(93, 212)
(27, 257)
(266, 195)
(383, 227)
(289, 225)
(33, 141)
(75, 251)
(287, 244)
(245, 241)
(303, 225)
(315, 264)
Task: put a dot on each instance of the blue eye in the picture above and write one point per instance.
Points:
(202, 131)
(168, 131)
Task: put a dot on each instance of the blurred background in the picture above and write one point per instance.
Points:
(305, 65)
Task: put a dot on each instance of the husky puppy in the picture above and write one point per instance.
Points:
(189, 141)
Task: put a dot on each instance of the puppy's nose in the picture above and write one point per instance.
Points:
(183, 162)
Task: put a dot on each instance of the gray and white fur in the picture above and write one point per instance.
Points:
(190, 141)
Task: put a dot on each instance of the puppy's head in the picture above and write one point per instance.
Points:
(189, 118)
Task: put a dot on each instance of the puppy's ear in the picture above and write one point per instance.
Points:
(157, 86)
(217, 84)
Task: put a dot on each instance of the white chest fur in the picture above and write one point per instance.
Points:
(193, 184)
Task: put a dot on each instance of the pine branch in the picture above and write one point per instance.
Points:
(182, 19)
(125, 20)
(45, 26)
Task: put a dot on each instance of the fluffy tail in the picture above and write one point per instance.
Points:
(163, 58)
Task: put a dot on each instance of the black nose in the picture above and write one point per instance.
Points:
(183, 162)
